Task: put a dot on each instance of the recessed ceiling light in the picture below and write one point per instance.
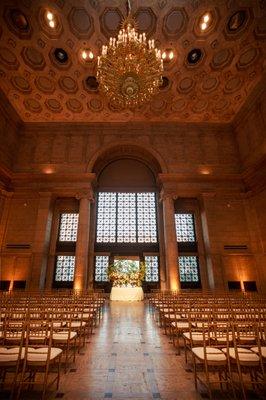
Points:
(91, 83)
(237, 21)
(205, 21)
(51, 23)
(206, 18)
(194, 56)
(60, 55)
(19, 20)
(167, 55)
(87, 55)
(49, 16)
(171, 55)
(165, 83)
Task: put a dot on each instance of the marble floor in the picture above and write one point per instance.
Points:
(128, 357)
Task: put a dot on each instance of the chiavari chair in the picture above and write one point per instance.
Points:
(41, 362)
(246, 365)
(210, 363)
(11, 359)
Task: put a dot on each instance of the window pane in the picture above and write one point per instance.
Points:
(68, 227)
(147, 227)
(126, 218)
(106, 218)
(152, 269)
(101, 264)
(64, 270)
(188, 268)
(185, 231)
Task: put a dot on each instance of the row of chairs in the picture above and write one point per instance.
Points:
(223, 336)
(40, 333)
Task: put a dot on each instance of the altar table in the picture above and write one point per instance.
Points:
(127, 293)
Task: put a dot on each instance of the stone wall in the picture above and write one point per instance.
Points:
(206, 162)
(183, 148)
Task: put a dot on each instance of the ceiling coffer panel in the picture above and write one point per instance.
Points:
(47, 78)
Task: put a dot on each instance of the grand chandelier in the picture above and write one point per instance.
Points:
(130, 67)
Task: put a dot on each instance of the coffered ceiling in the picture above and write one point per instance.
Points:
(45, 78)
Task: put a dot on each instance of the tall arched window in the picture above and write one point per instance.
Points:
(126, 219)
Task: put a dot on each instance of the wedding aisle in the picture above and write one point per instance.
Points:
(128, 358)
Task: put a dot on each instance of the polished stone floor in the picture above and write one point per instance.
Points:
(128, 357)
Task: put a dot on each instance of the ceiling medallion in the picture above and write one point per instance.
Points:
(130, 67)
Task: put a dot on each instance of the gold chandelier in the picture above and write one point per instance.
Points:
(130, 67)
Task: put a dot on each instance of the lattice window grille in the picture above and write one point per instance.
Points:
(101, 265)
(152, 269)
(126, 218)
(65, 267)
(188, 268)
(106, 218)
(146, 210)
(185, 229)
(68, 227)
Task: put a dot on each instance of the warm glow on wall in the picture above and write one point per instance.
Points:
(205, 171)
(48, 170)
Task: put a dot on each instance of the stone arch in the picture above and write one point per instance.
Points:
(113, 152)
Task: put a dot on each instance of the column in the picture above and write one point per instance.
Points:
(41, 241)
(82, 245)
(171, 252)
(5, 199)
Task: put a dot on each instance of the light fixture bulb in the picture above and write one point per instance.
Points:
(84, 55)
(171, 55)
(206, 18)
(52, 23)
(91, 55)
(164, 55)
(203, 26)
(49, 16)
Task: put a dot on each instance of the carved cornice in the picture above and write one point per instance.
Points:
(187, 185)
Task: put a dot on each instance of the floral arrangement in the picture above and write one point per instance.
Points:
(127, 273)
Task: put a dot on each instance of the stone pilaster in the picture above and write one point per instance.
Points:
(82, 246)
(171, 251)
(41, 242)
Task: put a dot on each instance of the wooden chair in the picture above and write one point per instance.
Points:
(11, 358)
(210, 364)
(40, 362)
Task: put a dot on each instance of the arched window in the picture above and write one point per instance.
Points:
(126, 218)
